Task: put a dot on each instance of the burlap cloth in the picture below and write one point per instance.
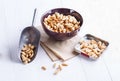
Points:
(58, 50)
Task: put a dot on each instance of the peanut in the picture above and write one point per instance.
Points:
(63, 64)
(43, 68)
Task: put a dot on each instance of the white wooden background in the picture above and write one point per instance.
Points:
(101, 18)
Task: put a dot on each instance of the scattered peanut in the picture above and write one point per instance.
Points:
(54, 65)
(61, 23)
(56, 71)
(43, 68)
(63, 64)
(59, 67)
(27, 53)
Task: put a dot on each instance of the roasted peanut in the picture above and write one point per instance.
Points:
(63, 64)
(54, 65)
(56, 71)
(43, 68)
(60, 67)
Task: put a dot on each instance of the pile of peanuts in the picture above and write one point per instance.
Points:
(27, 53)
(61, 23)
(92, 48)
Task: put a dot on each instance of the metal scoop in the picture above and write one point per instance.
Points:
(30, 35)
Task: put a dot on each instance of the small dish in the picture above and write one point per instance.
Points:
(91, 46)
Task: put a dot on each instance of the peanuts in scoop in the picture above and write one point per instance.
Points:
(27, 53)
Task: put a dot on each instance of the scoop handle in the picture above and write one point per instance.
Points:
(34, 16)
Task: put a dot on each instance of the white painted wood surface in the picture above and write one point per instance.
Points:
(101, 18)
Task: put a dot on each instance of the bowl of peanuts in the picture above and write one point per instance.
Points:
(61, 23)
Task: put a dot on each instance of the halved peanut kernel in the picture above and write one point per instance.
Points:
(63, 64)
(43, 68)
